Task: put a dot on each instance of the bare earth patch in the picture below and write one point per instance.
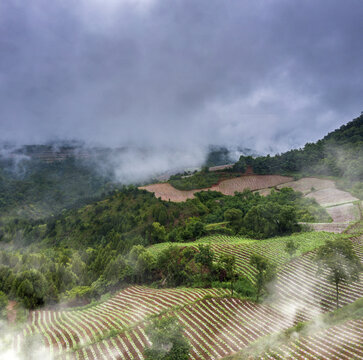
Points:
(345, 213)
(252, 182)
(331, 196)
(305, 185)
(226, 187)
(221, 167)
(167, 192)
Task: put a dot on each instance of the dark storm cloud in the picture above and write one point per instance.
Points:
(261, 74)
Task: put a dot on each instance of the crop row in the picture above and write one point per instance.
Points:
(63, 330)
(302, 294)
(215, 328)
(242, 248)
(343, 341)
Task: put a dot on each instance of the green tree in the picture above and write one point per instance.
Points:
(142, 262)
(204, 257)
(3, 303)
(234, 216)
(228, 263)
(172, 263)
(339, 261)
(291, 248)
(31, 288)
(240, 165)
(167, 340)
(116, 270)
(158, 233)
(265, 273)
(271, 219)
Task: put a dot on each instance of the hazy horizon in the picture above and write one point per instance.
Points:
(182, 75)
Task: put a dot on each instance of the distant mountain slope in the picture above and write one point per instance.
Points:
(34, 188)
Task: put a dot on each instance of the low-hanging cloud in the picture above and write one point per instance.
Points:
(264, 74)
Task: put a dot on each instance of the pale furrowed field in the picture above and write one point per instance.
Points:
(340, 205)
(215, 328)
(340, 342)
(309, 184)
(64, 330)
(304, 295)
(228, 187)
(329, 197)
(345, 213)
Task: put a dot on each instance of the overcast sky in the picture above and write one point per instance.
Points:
(265, 74)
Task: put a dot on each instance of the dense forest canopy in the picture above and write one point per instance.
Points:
(34, 188)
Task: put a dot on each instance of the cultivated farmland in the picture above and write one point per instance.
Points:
(329, 197)
(242, 248)
(216, 326)
(344, 213)
(63, 330)
(340, 205)
(227, 187)
(309, 184)
(339, 342)
(304, 295)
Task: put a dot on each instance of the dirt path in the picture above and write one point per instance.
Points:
(11, 308)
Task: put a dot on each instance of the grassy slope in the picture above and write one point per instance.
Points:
(242, 248)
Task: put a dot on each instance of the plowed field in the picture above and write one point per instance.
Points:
(305, 185)
(338, 203)
(227, 187)
(344, 213)
(328, 197)
(339, 342)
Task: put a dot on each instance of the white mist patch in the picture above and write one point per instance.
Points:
(31, 347)
(304, 304)
(137, 165)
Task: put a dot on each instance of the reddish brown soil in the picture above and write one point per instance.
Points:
(227, 187)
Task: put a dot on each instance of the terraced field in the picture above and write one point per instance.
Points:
(340, 205)
(309, 184)
(302, 295)
(215, 326)
(242, 248)
(63, 330)
(340, 342)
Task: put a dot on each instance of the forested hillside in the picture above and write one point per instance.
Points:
(82, 253)
(33, 188)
